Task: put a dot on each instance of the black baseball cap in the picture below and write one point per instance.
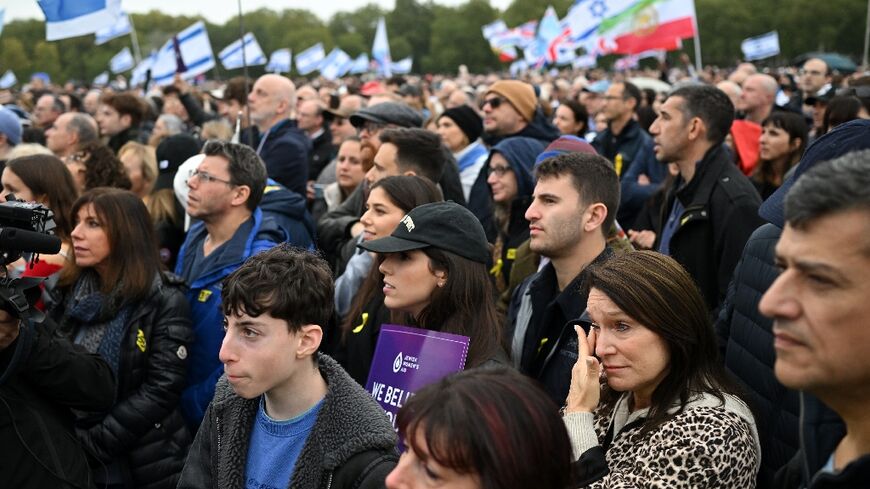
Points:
(444, 225)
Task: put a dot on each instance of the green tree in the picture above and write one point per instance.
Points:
(14, 57)
(520, 11)
(457, 38)
(408, 29)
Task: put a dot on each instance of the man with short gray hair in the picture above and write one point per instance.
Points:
(70, 133)
(758, 97)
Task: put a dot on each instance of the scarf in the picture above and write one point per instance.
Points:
(103, 318)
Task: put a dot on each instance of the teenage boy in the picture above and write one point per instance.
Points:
(284, 415)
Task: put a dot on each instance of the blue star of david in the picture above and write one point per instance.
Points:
(598, 8)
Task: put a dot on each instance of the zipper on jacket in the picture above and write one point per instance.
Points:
(329, 481)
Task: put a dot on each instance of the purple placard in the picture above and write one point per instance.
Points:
(407, 359)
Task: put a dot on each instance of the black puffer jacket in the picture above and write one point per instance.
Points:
(746, 343)
(144, 430)
(351, 445)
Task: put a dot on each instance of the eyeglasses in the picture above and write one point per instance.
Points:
(494, 102)
(208, 178)
(371, 127)
(500, 170)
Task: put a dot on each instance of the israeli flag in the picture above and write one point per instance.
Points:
(381, 49)
(760, 47)
(279, 62)
(195, 52)
(71, 18)
(231, 56)
(140, 72)
(122, 61)
(335, 64)
(493, 28)
(309, 60)
(359, 65)
(8, 79)
(518, 67)
(402, 67)
(121, 28)
(102, 79)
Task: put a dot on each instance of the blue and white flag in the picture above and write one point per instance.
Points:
(71, 18)
(585, 61)
(381, 50)
(231, 56)
(195, 51)
(102, 79)
(2, 16)
(493, 28)
(8, 79)
(585, 16)
(359, 65)
(403, 66)
(121, 28)
(518, 67)
(335, 64)
(122, 61)
(280, 60)
(309, 60)
(760, 47)
(140, 72)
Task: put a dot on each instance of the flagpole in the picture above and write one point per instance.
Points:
(866, 37)
(135, 38)
(244, 65)
(698, 63)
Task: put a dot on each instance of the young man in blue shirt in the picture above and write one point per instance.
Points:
(284, 415)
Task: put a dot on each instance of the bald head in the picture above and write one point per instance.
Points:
(814, 75)
(271, 100)
(759, 94)
(731, 89)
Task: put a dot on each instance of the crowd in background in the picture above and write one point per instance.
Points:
(634, 247)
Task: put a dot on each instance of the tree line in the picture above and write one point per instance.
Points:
(440, 38)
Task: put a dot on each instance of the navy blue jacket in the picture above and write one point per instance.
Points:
(290, 212)
(204, 296)
(285, 151)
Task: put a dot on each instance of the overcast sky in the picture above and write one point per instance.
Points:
(219, 11)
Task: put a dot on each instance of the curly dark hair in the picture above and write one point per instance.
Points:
(103, 168)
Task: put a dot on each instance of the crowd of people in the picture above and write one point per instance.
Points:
(658, 262)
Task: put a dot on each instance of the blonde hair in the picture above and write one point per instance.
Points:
(148, 158)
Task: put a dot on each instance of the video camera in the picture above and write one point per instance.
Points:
(25, 227)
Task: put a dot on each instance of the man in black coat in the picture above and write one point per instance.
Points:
(282, 146)
(42, 378)
(712, 208)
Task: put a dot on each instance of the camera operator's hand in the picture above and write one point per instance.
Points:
(9, 326)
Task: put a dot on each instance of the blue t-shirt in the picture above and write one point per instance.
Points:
(275, 446)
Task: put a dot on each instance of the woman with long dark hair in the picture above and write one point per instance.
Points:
(435, 277)
(668, 412)
(116, 302)
(359, 290)
(782, 143)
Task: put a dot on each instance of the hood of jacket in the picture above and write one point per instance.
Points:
(520, 153)
(282, 203)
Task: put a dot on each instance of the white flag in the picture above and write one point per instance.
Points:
(760, 47)
(196, 55)
(71, 18)
(102, 79)
(309, 60)
(280, 60)
(122, 61)
(336, 64)
(231, 56)
(8, 79)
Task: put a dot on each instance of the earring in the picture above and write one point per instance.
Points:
(440, 284)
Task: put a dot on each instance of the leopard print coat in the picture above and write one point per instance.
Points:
(708, 445)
